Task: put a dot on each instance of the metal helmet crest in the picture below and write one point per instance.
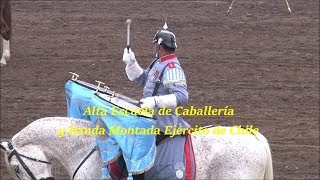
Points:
(165, 37)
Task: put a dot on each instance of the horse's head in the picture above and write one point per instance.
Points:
(27, 162)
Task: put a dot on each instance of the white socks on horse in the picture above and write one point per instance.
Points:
(6, 52)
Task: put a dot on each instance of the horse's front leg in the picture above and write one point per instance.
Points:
(5, 52)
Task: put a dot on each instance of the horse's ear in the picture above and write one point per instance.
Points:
(4, 146)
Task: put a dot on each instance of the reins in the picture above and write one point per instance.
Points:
(18, 156)
(26, 168)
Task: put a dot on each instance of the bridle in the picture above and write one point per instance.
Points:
(13, 152)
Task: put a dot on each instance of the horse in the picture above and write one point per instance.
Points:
(5, 22)
(30, 152)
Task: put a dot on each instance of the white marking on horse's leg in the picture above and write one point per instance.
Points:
(3, 62)
(6, 49)
(6, 52)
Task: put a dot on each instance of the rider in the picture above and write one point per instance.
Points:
(165, 85)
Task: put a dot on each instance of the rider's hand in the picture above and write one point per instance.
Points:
(128, 57)
(148, 102)
(133, 69)
(167, 101)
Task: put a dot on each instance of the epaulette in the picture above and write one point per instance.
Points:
(173, 76)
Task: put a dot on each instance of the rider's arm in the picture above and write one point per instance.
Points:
(143, 78)
(181, 93)
(133, 70)
(175, 81)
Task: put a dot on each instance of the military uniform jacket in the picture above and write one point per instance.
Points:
(173, 81)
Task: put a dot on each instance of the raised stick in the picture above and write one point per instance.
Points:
(231, 6)
(128, 22)
(288, 6)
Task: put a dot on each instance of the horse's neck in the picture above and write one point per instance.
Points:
(68, 150)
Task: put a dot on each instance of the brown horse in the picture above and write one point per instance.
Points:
(5, 22)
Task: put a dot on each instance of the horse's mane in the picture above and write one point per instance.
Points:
(79, 122)
(41, 128)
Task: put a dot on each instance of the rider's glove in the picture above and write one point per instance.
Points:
(167, 101)
(128, 56)
(133, 69)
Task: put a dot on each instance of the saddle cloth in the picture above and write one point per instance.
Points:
(175, 160)
(138, 150)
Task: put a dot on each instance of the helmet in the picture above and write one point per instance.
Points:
(165, 37)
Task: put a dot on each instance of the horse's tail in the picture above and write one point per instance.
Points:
(269, 168)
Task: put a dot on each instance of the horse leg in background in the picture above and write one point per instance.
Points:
(5, 17)
(5, 52)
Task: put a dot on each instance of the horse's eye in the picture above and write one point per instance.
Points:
(16, 168)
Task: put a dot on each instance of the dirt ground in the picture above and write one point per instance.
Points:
(261, 61)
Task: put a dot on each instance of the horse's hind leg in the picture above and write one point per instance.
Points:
(5, 52)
